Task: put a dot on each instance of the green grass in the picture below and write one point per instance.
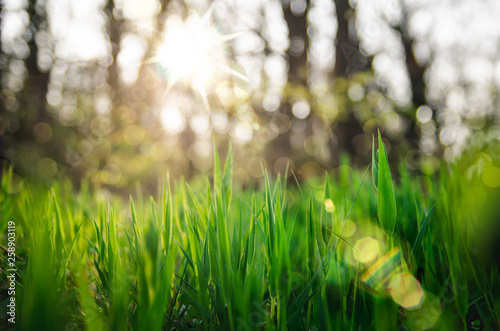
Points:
(209, 255)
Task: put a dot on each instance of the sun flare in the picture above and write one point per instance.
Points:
(193, 52)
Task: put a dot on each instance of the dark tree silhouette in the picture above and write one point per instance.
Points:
(416, 74)
(297, 32)
(298, 74)
(32, 105)
(114, 33)
(348, 61)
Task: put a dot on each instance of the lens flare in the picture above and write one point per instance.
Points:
(366, 250)
(406, 291)
(193, 52)
(377, 278)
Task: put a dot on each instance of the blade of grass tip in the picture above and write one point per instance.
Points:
(270, 214)
(227, 178)
(374, 163)
(94, 246)
(258, 224)
(235, 243)
(311, 237)
(134, 223)
(132, 211)
(239, 233)
(252, 229)
(65, 264)
(217, 171)
(59, 233)
(386, 199)
(100, 241)
(154, 214)
(202, 213)
(285, 180)
(277, 189)
(291, 225)
(418, 242)
(352, 205)
(205, 257)
(298, 184)
(319, 229)
(167, 216)
(185, 254)
(133, 251)
(326, 194)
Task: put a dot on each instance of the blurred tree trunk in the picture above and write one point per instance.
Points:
(298, 73)
(348, 61)
(342, 42)
(3, 111)
(32, 98)
(297, 34)
(32, 103)
(416, 74)
(114, 34)
(37, 83)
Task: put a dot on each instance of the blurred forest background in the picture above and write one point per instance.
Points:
(121, 91)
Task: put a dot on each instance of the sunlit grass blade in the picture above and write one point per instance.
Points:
(386, 199)
(375, 156)
(416, 250)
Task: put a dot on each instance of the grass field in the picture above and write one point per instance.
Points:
(354, 250)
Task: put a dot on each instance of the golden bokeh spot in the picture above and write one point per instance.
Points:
(110, 174)
(134, 135)
(366, 250)
(406, 291)
(329, 206)
(160, 151)
(491, 176)
(349, 229)
(230, 94)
